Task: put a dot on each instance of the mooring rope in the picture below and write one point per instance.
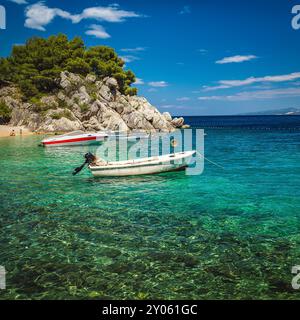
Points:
(214, 163)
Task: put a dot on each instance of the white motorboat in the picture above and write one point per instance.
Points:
(151, 165)
(74, 138)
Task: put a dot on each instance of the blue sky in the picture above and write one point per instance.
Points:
(200, 57)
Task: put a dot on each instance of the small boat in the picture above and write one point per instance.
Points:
(151, 165)
(74, 138)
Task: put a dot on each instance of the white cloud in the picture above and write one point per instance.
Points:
(19, 1)
(137, 49)
(139, 81)
(254, 95)
(185, 10)
(183, 99)
(202, 51)
(159, 84)
(167, 106)
(111, 13)
(225, 84)
(39, 15)
(97, 31)
(236, 59)
(172, 106)
(129, 58)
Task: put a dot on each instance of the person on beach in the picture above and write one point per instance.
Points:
(12, 134)
(21, 132)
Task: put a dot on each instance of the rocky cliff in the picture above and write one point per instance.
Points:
(86, 104)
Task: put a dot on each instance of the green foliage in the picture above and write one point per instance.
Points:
(36, 66)
(76, 100)
(78, 66)
(38, 106)
(94, 96)
(62, 114)
(130, 91)
(84, 107)
(5, 112)
(62, 104)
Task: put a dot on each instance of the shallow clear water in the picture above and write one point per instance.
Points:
(232, 233)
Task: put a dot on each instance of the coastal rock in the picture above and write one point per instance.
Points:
(62, 124)
(87, 103)
(81, 95)
(90, 78)
(111, 83)
(60, 120)
(185, 126)
(9, 92)
(92, 124)
(167, 116)
(94, 108)
(49, 101)
(111, 120)
(160, 123)
(24, 117)
(135, 120)
(177, 122)
(106, 93)
(69, 81)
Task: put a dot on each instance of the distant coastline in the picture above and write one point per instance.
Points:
(269, 112)
(272, 112)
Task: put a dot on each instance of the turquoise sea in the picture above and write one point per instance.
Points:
(231, 233)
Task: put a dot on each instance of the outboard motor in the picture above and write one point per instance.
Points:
(89, 158)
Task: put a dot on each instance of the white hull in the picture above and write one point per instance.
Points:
(153, 165)
(76, 138)
(80, 138)
(75, 143)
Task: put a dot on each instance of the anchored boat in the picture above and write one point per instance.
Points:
(79, 137)
(74, 138)
(151, 165)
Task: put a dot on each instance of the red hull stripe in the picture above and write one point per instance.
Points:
(70, 140)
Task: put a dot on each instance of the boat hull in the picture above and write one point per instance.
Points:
(73, 142)
(143, 168)
(123, 172)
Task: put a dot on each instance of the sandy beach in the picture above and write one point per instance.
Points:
(5, 130)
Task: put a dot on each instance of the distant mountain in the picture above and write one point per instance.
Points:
(280, 112)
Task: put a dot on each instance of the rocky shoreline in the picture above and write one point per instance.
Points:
(86, 104)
